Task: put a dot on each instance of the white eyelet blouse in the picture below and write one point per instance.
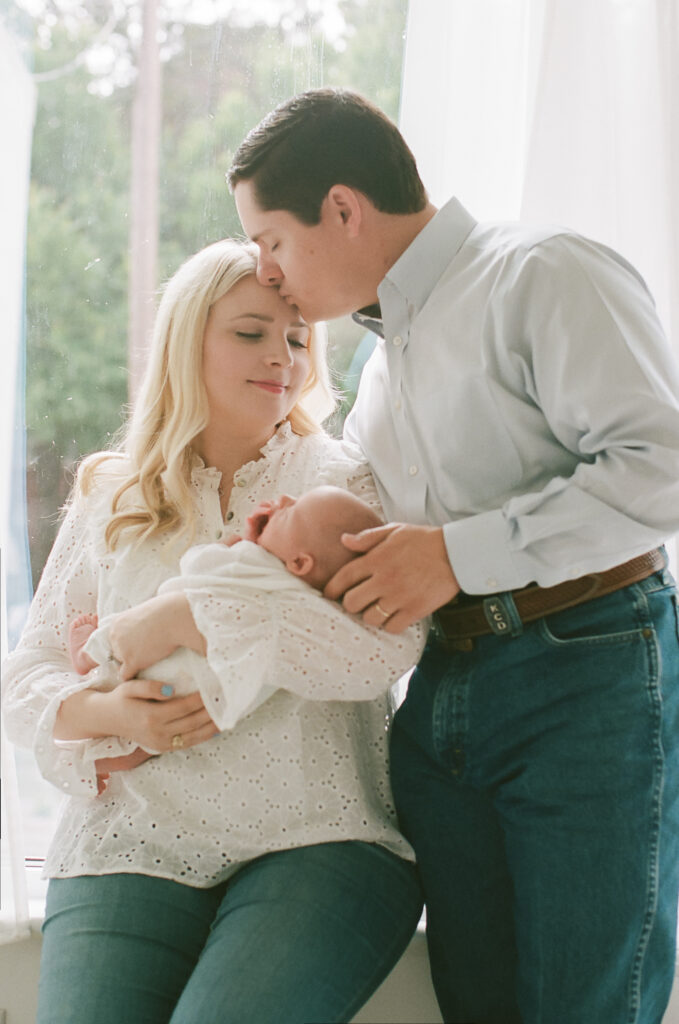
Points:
(307, 766)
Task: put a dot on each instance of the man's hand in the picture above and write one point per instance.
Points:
(403, 575)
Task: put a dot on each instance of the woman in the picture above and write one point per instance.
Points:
(255, 874)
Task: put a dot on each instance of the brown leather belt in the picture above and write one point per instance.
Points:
(459, 622)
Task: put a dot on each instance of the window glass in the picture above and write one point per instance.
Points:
(105, 93)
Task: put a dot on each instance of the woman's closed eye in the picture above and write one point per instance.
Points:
(252, 335)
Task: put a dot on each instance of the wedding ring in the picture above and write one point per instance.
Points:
(385, 615)
(177, 741)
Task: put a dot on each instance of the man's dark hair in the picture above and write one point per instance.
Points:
(322, 138)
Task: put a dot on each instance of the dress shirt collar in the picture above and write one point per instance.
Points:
(417, 271)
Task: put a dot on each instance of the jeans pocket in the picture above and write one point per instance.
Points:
(605, 621)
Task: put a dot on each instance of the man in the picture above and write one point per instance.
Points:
(521, 416)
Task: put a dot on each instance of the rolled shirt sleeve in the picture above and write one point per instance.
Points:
(597, 366)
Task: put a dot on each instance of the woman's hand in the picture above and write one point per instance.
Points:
(151, 631)
(136, 710)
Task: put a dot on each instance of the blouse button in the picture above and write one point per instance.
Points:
(241, 483)
(229, 516)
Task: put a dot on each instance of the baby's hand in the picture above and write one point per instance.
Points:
(255, 523)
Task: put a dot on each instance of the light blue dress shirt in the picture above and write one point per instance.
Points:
(525, 398)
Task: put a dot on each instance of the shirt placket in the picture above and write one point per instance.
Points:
(412, 465)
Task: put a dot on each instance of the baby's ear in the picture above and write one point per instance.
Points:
(301, 565)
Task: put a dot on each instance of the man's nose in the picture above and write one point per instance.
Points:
(268, 272)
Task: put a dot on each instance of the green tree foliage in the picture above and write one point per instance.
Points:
(218, 81)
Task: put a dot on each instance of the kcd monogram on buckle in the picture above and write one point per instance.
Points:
(497, 615)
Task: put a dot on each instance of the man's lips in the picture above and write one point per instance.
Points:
(274, 387)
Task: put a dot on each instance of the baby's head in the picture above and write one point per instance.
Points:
(305, 532)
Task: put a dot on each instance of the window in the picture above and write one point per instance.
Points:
(111, 103)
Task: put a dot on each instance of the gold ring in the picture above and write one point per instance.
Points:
(385, 615)
(177, 741)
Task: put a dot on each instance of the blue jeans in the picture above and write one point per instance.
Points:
(537, 777)
(298, 936)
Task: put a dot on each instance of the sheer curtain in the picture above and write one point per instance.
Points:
(16, 124)
(564, 111)
(561, 111)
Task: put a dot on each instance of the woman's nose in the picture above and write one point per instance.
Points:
(280, 354)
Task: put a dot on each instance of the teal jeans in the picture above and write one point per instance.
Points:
(301, 936)
(537, 777)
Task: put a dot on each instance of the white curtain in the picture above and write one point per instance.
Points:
(560, 111)
(564, 111)
(17, 105)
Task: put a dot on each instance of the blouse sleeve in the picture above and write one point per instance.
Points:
(298, 641)
(38, 675)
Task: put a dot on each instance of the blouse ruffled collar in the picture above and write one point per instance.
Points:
(279, 439)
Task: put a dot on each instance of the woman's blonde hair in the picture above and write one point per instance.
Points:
(154, 496)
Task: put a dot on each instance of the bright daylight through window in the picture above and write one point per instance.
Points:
(140, 107)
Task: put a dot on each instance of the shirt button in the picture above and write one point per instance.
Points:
(491, 582)
(397, 404)
(229, 516)
(412, 470)
(397, 340)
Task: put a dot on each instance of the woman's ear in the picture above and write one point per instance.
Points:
(301, 565)
(343, 206)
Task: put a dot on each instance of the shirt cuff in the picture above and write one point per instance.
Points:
(67, 765)
(479, 554)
